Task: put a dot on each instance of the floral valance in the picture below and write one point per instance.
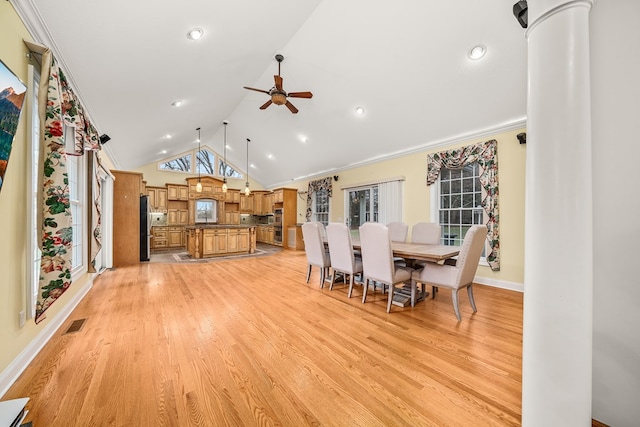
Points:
(317, 185)
(59, 111)
(486, 154)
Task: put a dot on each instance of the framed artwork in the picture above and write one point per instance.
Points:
(12, 94)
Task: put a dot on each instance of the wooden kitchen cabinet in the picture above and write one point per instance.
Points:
(177, 192)
(175, 237)
(159, 237)
(246, 204)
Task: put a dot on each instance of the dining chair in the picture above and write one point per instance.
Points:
(398, 231)
(377, 261)
(460, 275)
(316, 252)
(343, 259)
(427, 233)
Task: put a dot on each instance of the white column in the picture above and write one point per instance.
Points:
(557, 341)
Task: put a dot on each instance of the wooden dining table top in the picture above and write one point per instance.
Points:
(418, 251)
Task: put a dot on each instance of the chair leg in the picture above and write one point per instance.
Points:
(366, 287)
(333, 279)
(390, 298)
(434, 289)
(350, 285)
(308, 273)
(454, 297)
(471, 300)
(323, 272)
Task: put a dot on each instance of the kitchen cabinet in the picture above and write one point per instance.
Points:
(246, 204)
(175, 237)
(159, 237)
(157, 199)
(232, 218)
(177, 192)
(178, 217)
(211, 241)
(258, 204)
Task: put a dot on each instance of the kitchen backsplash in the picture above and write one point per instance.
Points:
(247, 219)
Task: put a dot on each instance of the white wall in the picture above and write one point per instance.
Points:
(615, 77)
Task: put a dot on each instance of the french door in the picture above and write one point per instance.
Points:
(361, 205)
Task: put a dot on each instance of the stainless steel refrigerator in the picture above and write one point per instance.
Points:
(145, 228)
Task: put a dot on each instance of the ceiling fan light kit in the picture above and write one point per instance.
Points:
(278, 94)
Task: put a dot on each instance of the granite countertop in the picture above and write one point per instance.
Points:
(207, 226)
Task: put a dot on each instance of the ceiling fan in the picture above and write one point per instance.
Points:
(278, 94)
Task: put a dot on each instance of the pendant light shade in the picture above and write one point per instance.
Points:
(224, 170)
(246, 188)
(199, 184)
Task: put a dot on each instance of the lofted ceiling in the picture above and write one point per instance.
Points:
(405, 62)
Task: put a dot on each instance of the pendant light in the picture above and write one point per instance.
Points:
(246, 188)
(199, 184)
(224, 171)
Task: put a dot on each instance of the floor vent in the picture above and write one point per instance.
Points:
(75, 326)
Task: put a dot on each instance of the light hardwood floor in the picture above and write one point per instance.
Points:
(248, 342)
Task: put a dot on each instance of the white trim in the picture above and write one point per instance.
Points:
(502, 284)
(21, 362)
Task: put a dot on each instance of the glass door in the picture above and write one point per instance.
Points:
(361, 206)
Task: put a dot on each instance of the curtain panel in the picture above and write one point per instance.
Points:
(319, 184)
(486, 154)
(58, 107)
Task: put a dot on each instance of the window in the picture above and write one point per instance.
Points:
(178, 164)
(206, 162)
(459, 202)
(230, 172)
(76, 175)
(320, 206)
(206, 211)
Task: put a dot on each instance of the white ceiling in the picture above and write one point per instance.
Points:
(405, 62)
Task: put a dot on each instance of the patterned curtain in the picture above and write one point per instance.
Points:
(319, 184)
(58, 106)
(486, 154)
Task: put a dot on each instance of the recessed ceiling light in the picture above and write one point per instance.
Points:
(177, 103)
(360, 111)
(477, 52)
(163, 152)
(252, 166)
(195, 33)
(303, 138)
(269, 156)
(168, 136)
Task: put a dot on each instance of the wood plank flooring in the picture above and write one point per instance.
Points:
(247, 342)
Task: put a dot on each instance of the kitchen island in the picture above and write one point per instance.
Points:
(211, 240)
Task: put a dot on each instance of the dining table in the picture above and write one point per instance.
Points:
(414, 252)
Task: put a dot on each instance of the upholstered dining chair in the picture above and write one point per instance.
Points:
(317, 254)
(427, 233)
(377, 261)
(342, 256)
(398, 231)
(460, 275)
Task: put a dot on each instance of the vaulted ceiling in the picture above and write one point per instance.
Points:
(405, 62)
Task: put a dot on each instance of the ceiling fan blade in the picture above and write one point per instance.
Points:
(265, 105)
(290, 106)
(300, 94)
(257, 90)
(278, 80)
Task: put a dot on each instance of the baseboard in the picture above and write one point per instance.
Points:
(20, 363)
(502, 284)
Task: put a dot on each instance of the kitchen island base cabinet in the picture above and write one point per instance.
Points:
(216, 240)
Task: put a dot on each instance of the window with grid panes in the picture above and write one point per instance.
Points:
(460, 202)
(321, 206)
